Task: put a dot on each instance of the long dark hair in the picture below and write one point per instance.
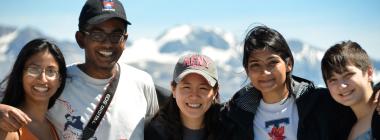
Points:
(265, 38)
(169, 117)
(14, 91)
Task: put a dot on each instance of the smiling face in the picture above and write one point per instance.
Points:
(40, 87)
(194, 97)
(267, 72)
(351, 87)
(102, 55)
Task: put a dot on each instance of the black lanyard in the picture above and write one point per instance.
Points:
(101, 109)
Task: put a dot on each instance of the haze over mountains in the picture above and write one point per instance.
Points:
(158, 55)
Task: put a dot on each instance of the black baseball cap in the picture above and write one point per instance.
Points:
(196, 63)
(98, 11)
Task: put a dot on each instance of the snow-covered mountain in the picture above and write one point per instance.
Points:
(158, 56)
(13, 39)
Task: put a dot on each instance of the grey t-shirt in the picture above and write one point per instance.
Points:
(190, 134)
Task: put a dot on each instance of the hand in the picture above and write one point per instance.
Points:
(12, 119)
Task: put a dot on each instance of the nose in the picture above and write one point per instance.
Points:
(343, 84)
(193, 93)
(42, 77)
(107, 42)
(267, 71)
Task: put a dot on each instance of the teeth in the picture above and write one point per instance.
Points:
(106, 53)
(194, 105)
(41, 89)
(344, 94)
(267, 82)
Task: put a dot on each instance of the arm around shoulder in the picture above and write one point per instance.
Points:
(12, 118)
(8, 135)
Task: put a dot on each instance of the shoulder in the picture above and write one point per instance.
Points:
(301, 86)
(247, 92)
(154, 130)
(136, 77)
(133, 72)
(375, 125)
(128, 68)
(72, 68)
(234, 123)
(304, 89)
(247, 98)
(73, 72)
(240, 109)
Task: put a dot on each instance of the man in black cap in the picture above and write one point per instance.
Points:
(110, 99)
(103, 34)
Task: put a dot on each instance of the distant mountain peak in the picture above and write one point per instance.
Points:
(175, 33)
(4, 30)
(194, 39)
(5, 40)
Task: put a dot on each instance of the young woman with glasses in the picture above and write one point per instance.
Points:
(35, 82)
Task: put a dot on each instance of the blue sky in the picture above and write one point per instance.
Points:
(318, 22)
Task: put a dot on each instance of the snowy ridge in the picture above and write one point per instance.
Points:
(313, 55)
(158, 56)
(4, 43)
(178, 33)
(185, 35)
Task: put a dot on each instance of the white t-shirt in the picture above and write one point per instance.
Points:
(133, 101)
(278, 121)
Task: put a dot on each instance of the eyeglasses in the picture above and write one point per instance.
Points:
(50, 74)
(101, 36)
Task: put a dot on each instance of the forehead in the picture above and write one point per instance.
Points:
(347, 68)
(43, 58)
(263, 55)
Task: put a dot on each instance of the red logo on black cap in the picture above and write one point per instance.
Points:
(108, 5)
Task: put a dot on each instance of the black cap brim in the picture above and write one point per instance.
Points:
(105, 17)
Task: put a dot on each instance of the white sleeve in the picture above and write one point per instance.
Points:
(151, 98)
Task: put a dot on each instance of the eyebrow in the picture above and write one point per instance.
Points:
(37, 65)
(32, 64)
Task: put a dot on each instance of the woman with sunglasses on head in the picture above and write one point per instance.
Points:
(35, 82)
(191, 111)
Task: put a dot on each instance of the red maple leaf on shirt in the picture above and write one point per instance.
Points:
(277, 133)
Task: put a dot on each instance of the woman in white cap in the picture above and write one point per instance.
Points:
(191, 112)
